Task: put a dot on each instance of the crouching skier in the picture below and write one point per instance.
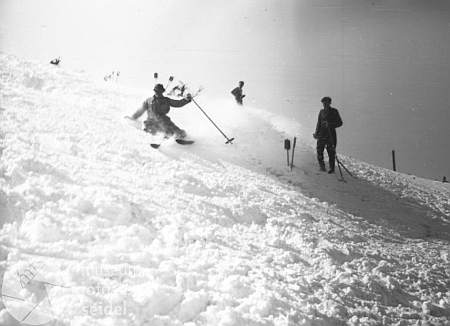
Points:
(157, 107)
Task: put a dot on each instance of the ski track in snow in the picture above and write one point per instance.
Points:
(210, 233)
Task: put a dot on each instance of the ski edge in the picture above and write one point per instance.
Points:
(184, 142)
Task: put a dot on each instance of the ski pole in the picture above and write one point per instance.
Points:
(340, 163)
(228, 140)
(293, 148)
(287, 147)
(337, 159)
(155, 75)
(170, 80)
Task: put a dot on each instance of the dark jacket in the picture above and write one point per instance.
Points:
(157, 107)
(237, 92)
(330, 115)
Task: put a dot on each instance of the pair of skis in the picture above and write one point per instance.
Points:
(178, 141)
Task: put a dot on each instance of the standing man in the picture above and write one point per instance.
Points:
(237, 92)
(327, 122)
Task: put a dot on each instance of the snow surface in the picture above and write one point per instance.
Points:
(205, 234)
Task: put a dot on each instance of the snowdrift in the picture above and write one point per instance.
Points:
(98, 228)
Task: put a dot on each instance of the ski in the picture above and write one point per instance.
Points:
(179, 141)
(184, 142)
(154, 145)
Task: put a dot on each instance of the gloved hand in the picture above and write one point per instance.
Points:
(189, 97)
(242, 96)
(315, 136)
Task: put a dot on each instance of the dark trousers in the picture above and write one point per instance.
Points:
(164, 125)
(326, 143)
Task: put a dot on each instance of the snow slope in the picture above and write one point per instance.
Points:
(205, 234)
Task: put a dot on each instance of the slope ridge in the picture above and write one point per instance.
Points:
(209, 235)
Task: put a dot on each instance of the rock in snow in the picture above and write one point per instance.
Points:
(98, 228)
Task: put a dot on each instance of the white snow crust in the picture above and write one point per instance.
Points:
(205, 234)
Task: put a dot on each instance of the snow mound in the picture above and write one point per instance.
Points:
(108, 231)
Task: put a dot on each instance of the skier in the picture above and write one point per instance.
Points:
(327, 122)
(237, 92)
(55, 61)
(157, 108)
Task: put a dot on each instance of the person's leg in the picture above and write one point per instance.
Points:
(331, 155)
(150, 126)
(320, 148)
(171, 129)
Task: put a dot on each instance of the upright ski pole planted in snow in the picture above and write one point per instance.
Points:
(228, 140)
(293, 148)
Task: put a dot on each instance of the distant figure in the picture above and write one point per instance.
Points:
(55, 61)
(157, 108)
(444, 179)
(327, 122)
(237, 92)
(113, 76)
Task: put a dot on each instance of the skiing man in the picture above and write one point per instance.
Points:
(327, 122)
(157, 108)
(237, 92)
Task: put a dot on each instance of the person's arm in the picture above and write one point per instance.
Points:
(337, 121)
(139, 112)
(179, 103)
(318, 126)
